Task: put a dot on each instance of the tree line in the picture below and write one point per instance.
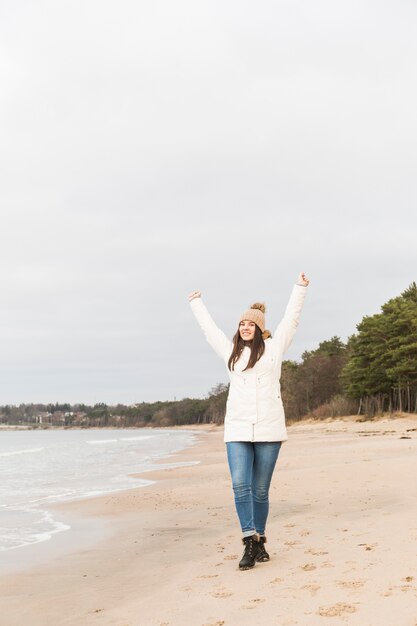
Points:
(209, 410)
(382, 368)
(375, 371)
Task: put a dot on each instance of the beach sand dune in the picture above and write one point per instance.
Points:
(342, 537)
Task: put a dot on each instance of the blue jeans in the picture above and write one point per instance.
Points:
(251, 466)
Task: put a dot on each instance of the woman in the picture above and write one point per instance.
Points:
(254, 426)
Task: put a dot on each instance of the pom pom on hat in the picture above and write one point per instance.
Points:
(258, 305)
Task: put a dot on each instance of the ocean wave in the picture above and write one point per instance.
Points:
(94, 441)
(69, 470)
(24, 451)
(140, 438)
(13, 538)
(137, 438)
(63, 495)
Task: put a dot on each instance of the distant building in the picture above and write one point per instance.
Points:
(43, 417)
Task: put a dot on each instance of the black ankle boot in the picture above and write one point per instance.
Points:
(252, 547)
(262, 553)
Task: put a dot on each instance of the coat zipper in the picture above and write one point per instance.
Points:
(256, 403)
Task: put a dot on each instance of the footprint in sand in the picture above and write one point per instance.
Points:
(336, 610)
(220, 622)
(231, 557)
(221, 594)
(312, 588)
(368, 546)
(404, 587)
(253, 603)
(208, 576)
(308, 567)
(277, 580)
(315, 552)
(305, 532)
(350, 584)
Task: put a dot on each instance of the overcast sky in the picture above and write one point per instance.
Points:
(148, 149)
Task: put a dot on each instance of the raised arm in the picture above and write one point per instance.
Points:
(285, 331)
(216, 338)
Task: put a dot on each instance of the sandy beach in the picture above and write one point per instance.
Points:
(342, 536)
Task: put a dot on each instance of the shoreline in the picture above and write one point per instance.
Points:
(74, 530)
(84, 428)
(341, 531)
(304, 420)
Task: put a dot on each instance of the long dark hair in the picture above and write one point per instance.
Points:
(256, 345)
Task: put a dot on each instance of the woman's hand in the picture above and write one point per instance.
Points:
(194, 294)
(303, 280)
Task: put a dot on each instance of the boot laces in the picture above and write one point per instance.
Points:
(249, 545)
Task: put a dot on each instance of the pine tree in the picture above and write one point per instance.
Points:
(382, 367)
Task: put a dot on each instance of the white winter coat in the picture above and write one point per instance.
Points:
(254, 410)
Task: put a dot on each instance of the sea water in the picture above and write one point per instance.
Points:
(40, 467)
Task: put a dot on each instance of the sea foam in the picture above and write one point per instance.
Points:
(47, 466)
